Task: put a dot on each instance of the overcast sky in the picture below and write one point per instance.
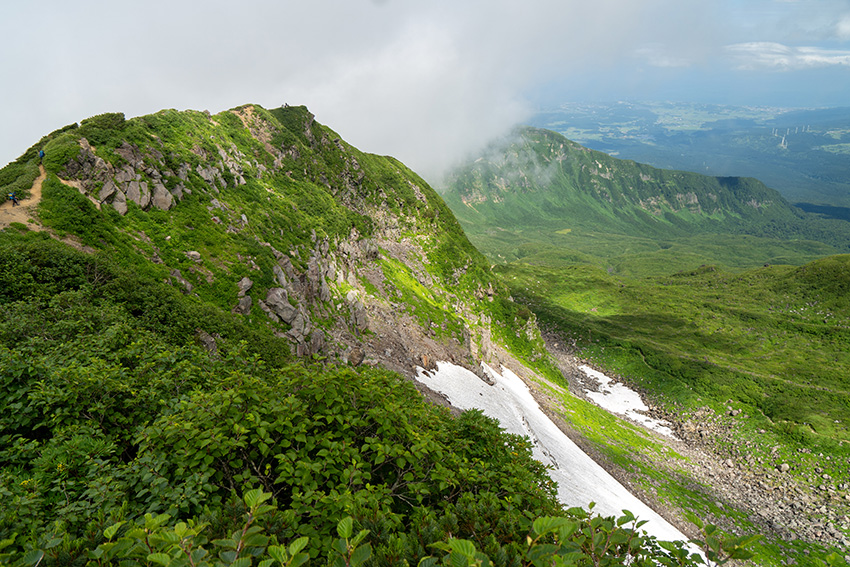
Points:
(423, 80)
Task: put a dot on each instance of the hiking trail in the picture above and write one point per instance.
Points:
(23, 213)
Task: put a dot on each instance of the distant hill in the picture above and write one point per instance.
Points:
(802, 153)
(537, 189)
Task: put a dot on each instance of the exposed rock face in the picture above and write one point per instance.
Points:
(207, 341)
(336, 283)
(245, 285)
(131, 182)
(161, 199)
(119, 202)
(356, 356)
(187, 286)
(358, 312)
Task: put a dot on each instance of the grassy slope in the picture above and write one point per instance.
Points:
(774, 338)
(772, 341)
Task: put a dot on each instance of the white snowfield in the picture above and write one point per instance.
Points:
(621, 400)
(580, 480)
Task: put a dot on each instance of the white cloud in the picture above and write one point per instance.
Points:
(422, 81)
(842, 28)
(769, 55)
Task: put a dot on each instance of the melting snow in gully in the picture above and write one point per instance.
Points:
(580, 480)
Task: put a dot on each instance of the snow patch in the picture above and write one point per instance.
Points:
(580, 479)
(619, 399)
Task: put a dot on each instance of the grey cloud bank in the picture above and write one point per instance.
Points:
(424, 82)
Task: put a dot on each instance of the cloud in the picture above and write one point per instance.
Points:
(776, 56)
(423, 81)
(842, 28)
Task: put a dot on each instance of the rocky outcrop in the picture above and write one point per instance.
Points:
(356, 356)
(184, 283)
(207, 341)
(135, 181)
(244, 285)
(326, 295)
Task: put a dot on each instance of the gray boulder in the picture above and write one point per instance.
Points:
(358, 312)
(162, 198)
(107, 191)
(119, 202)
(187, 286)
(244, 305)
(245, 285)
(356, 356)
(278, 302)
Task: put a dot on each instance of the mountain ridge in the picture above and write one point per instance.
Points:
(337, 209)
(535, 187)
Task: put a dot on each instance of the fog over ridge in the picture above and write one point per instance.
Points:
(424, 82)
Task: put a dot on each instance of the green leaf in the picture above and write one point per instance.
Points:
(7, 542)
(279, 553)
(228, 543)
(459, 560)
(548, 524)
(359, 537)
(34, 557)
(462, 546)
(361, 554)
(566, 530)
(345, 527)
(161, 558)
(255, 497)
(298, 545)
(626, 518)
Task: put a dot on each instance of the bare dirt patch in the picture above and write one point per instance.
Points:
(25, 211)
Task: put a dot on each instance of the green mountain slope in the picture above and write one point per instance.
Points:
(270, 214)
(202, 305)
(200, 309)
(538, 195)
(669, 281)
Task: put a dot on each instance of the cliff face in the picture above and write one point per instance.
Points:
(271, 215)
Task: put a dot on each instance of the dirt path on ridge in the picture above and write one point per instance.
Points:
(23, 213)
